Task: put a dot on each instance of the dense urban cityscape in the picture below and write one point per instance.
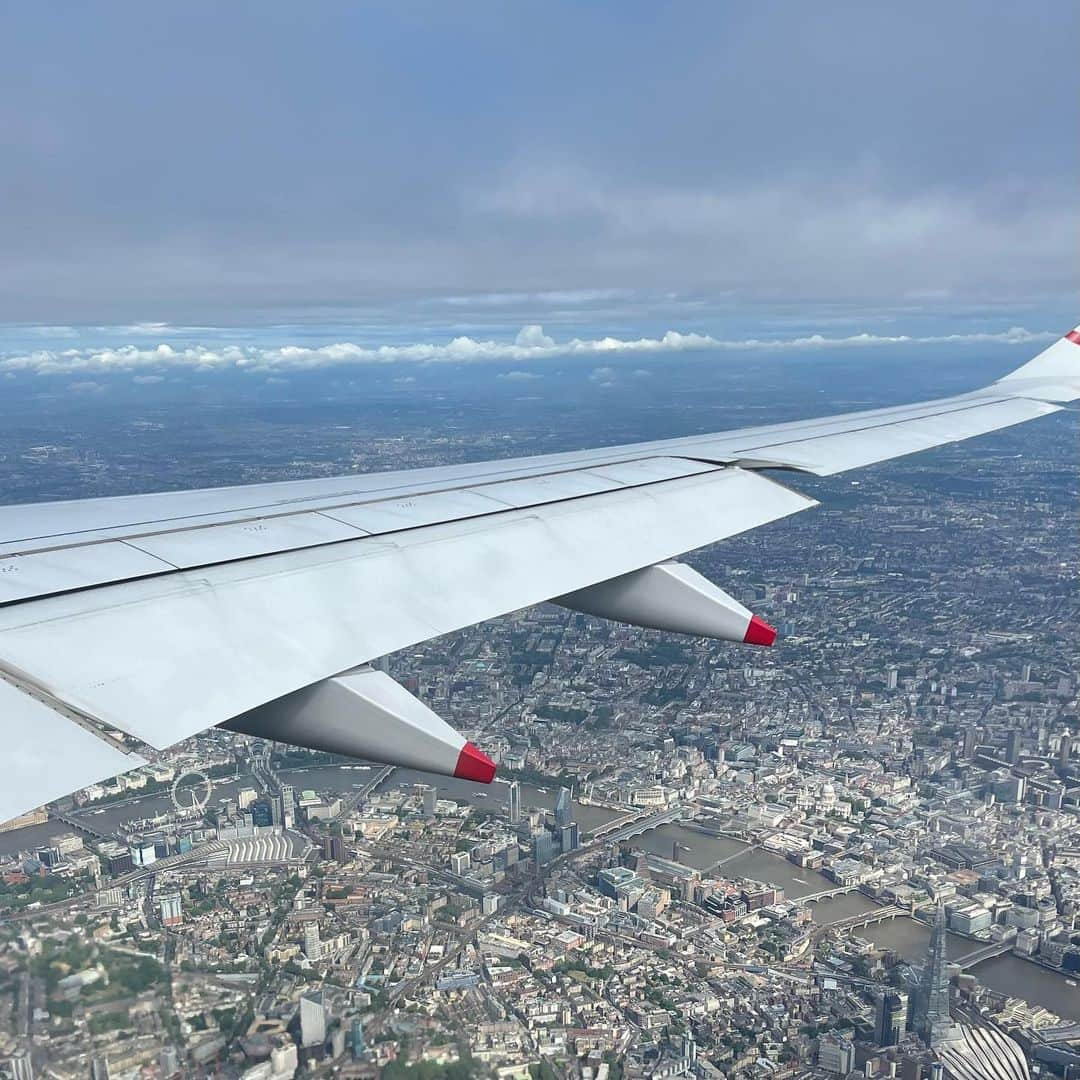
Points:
(857, 850)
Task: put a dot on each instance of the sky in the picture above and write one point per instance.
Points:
(180, 180)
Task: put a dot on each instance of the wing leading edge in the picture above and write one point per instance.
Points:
(138, 621)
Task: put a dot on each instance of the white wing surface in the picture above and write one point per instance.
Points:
(135, 622)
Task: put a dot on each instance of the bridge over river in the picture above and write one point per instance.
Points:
(633, 825)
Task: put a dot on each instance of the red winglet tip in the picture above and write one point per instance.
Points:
(1073, 336)
(759, 632)
(473, 764)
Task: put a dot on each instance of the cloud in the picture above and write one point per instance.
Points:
(86, 386)
(531, 345)
(53, 331)
(148, 380)
(533, 337)
(564, 297)
(519, 376)
(603, 376)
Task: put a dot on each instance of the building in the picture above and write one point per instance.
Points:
(49, 855)
(544, 848)
(962, 1052)
(836, 1054)
(357, 1038)
(68, 843)
(1011, 789)
(20, 1066)
(460, 863)
(971, 740)
(933, 1022)
(513, 802)
(569, 837)
(1012, 747)
(312, 1020)
(333, 848)
(971, 918)
(170, 909)
(564, 808)
(462, 979)
(611, 881)
(430, 796)
(312, 942)
(169, 1062)
(99, 1069)
(143, 853)
(890, 1018)
(982, 1053)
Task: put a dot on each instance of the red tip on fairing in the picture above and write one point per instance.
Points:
(759, 632)
(1073, 336)
(473, 764)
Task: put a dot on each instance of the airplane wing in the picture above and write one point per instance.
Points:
(128, 624)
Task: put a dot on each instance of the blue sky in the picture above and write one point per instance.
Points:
(265, 174)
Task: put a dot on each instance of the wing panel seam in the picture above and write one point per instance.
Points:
(345, 540)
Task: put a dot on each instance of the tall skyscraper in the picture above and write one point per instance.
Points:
(544, 849)
(312, 942)
(1012, 747)
(933, 1021)
(357, 1038)
(889, 1022)
(431, 797)
(312, 1019)
(971, 740)
(513, 802)
(564, 808)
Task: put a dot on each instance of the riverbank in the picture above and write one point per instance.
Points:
(696, 847)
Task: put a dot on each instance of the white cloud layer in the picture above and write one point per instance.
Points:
(531, 345)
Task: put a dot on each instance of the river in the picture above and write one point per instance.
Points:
(1008, 974)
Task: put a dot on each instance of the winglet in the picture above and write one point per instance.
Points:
(1053, 375)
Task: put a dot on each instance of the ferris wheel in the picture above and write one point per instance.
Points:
(192, 800)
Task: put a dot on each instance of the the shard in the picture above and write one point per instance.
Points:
(933, 1021)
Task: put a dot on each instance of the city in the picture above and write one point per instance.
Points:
(697, 859)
